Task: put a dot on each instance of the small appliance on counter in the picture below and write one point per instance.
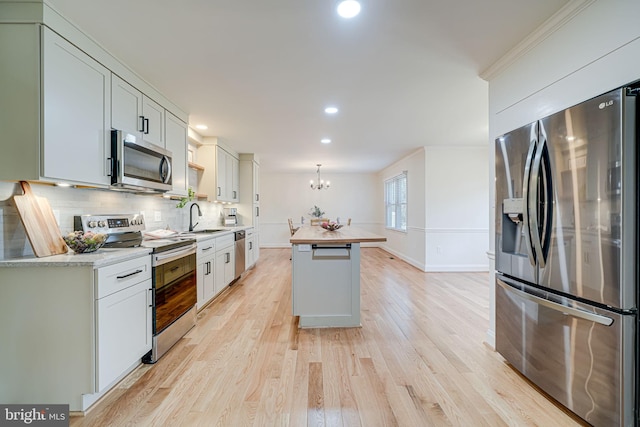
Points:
(230, 217)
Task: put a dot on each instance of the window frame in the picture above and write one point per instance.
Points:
(399, 205)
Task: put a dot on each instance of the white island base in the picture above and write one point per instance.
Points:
(326, 284)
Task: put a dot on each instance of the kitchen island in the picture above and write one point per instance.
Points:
(325, 279)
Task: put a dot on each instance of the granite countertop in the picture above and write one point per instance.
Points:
(100, 258)
(348, 234)
(105, 256)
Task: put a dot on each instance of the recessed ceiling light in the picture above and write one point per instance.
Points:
(331, 110)
(202, 127)
(325, 140)
(348, 8)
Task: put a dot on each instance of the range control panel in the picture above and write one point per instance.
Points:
(109, 224)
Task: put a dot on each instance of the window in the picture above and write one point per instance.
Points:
(395, 201)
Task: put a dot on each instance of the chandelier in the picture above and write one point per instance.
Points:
(320, 182)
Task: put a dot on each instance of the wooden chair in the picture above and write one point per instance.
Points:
(318, 221)
(292, 229)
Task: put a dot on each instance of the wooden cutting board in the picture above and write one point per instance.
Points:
(39, 223)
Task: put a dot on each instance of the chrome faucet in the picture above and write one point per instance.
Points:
(191, 224)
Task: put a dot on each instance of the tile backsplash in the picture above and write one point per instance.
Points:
(159, 212)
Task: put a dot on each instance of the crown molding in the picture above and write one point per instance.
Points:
(550, 26)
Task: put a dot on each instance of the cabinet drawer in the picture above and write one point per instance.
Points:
(206, 249)
(122, 275)
(223, 242)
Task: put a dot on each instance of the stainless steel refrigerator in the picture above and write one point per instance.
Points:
(566, 256)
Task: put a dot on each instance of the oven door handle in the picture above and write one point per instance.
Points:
(165, 257)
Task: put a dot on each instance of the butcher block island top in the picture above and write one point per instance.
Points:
(348, 234)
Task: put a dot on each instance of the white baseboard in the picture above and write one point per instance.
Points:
(405, 258)
(469, 268)
(490, 338)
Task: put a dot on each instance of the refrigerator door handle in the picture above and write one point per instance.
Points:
(525, 195)
(534, 223)
(571, 311)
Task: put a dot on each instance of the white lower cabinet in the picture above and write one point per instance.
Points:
(124, 317)
(225, 262)
(90, 328)
(251, 248)
(205, 267)
(124, 330)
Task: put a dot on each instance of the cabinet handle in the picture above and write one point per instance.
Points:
(151, 297)
(146, 125)
(250, 245)
(235, 194)
(130, 274)
(228, 255)
(207, 249)
(141, 124)
(257, 197)
(174, 269)
(218, 191)
(257, 210)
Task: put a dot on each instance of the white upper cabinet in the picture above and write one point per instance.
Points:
(249, 207)
(75, 104)
(135, 113)
(176, 142)
(232, 175)
(221, 183)
(61, 94)
(126, 107)
(153, 117)
(55, 109)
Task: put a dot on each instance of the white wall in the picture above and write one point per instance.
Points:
(288, 195)
(596, 50)
(457, 211)
(410, 245)
(448, 209)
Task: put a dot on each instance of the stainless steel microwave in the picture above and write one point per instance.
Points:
(139, 165)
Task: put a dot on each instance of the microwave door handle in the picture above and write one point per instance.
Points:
(165, 169)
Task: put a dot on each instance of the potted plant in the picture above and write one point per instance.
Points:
(316, 212)
(183, 201)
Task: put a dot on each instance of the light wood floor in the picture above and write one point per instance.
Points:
(418, 360)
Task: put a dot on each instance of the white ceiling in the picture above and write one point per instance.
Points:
(259, 73)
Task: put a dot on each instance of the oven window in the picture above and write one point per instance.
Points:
(175, 292)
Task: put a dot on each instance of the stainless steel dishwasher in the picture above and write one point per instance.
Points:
(239, 249)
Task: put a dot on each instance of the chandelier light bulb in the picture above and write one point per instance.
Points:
(320, 182)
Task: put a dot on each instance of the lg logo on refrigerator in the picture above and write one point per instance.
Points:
(604, 105)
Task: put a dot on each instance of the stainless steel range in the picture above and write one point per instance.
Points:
(174, 275)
